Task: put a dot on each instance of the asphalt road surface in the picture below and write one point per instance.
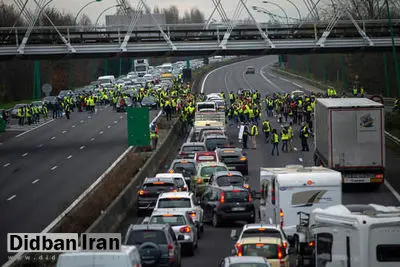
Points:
(215, 244)
(44, 170)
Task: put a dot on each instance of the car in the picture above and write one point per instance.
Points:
(185, 201)
(228, 178)
(182, 224)
(260, 230)
(245, 91)
(123, 103)
(227, 204)
(150, 190)
(211, 132)
(178, 179)
(203, 172)
(185, 166)
(157, 244)
(208, 156)
(14, 111)
(234, 158)
(148, 78)
(250, 70)
(268, 247)
(149, 101)
(188, 150)
(49, 100)
(38, 104)
(207, 129)
(214, 141)
(220, 105)
(128, 256)
(297, 94)
(244, 261)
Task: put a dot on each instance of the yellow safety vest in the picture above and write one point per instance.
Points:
(275, 138)
(254, 130)
(266, 127)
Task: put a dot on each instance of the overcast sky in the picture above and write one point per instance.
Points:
(205, 6)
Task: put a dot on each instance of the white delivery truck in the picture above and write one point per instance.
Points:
(351, 235)
(207, 115)
(287, 191)
(141, 67)
(349, 137)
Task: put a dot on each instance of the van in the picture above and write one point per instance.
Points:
(287, 191)
(107, 79)
(128, 256)
(206, 107)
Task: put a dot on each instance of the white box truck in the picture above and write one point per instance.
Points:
(351, 235)
(349, 137)
(287, 191)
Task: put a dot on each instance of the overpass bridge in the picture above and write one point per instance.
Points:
(197, 39)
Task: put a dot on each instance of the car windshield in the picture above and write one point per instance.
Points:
(179, 182)
(230, 180)
(236, 196)
(208, 170)
(213, 143)
(185, 169)
(193, 149)
(269, 251)
(167, 203)
(139, 237)
(261, 232)
(248, 265)
(157, 187)
(173, 220)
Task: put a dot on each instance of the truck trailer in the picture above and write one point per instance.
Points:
(349, 137)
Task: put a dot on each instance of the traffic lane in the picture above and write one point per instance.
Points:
(360, 194)
(35, 165)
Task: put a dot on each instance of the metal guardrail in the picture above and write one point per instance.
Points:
(393, 138)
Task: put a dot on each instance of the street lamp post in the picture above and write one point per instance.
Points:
(104, 11)
(280, 7)
(79, 12)
(396, 63)
(293, 4)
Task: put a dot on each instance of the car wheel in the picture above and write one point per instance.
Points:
(216, 220)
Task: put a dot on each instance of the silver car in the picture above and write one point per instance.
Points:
(182, 224)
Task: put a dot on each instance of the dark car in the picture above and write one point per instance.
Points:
(188, 150)
(234, 158)
(149, 101)
(185, 166)
(149, 192)
(250, 70)
(206, 129)
(227, 203)
(157, 244)
(221, 179)
(213, 142)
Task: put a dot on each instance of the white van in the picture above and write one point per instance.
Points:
(128, 256)
(355, 235)
(287, 191)
(107, 79)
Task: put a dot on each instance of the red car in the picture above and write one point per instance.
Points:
(205, 157)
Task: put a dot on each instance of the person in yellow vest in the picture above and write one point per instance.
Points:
(290, 134)
(355, 91)
(275, 142)
(254, 134)
(266, 129)
(362, 91)
(285, 139)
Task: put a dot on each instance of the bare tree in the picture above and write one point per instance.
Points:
(156, 10)
(196, 16)
(85, 20)
(171, 15)
(57, 17)
(9, 16)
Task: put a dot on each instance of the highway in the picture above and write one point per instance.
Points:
(215, 243)
(44, 170)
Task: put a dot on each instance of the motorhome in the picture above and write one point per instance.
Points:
(351, 235)
(141, 67)
(295, 188)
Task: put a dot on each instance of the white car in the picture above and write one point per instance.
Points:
(181, 201)
(148, 77)
(182, 223)
(260, 230)
(178, 179)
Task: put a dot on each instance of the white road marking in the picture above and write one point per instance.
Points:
(69, 157)
(81, 121)
(6, 165)
(392, 190)
(64, 132)
(268, 80)
(89, 117)
(101, 132)
(40, 145)
(101, 109)
(82, 147)
(295, 148)
(108, 126)
(53, 138)
(283, 79)
(298, 85)
(92, 139)
(21, 134)
(54, 167)
(34, 182)
(73, 126)
(1, 144)
(25, 154)
(300, 159)
(11, 198)
(115, 121)
(121, 117)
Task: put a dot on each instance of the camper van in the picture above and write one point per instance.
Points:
(294, 188)
(351, 235)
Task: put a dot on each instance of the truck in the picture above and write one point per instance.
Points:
(349, 137)
(349, 235)
(295, 188)
(141, 67)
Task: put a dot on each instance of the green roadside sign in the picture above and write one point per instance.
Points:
(138, 127)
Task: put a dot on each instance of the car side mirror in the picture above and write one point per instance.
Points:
(291, 241)
(234, 235)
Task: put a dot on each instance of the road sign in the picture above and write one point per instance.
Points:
(138, 126)
(47, 88)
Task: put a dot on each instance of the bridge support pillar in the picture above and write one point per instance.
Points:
(132, 64)
(280, 60)
(387, 92)
(106, 67)
(120, 66)
(36, 80)
(188, 63)
(323, 67)
(343, 73)
(308, 66)
(70, 75)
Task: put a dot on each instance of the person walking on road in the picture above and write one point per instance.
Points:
(285, 139)
(275, 142)
(245, 135)
(266, 129)
(254, 134)
(304, 134)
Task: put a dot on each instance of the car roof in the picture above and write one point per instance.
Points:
(205, 153)
(169, 175)
(231, 187)
(246, 259)
(216, 136)
(183, 160)
(261, 239)
(227, 173)
(227, 150)
(149, 227)
(261, 225)
(158, 179)
(176, 195)
(193, 144)
(211, 164)
(171, 211)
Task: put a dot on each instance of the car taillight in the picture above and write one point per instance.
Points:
(199, 180)
(239, 250)
(280, 252)
(250, 198)
(311, 243)
(192, 214)
(285, 245)
(143, 192)
(282, 215)
(243, 158)
(379, 176)
(171, 252)
(185, 229)
(222, 197)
